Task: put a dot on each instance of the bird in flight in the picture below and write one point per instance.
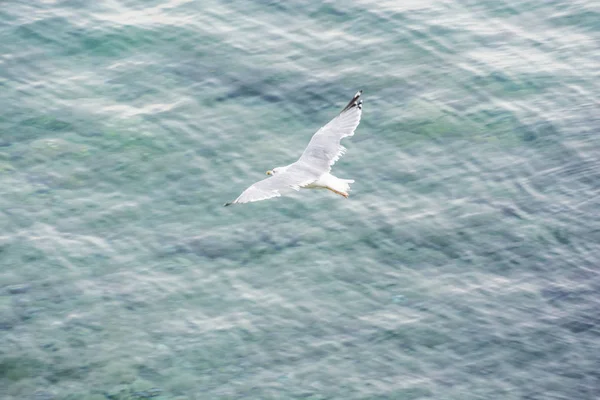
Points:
(312, 170)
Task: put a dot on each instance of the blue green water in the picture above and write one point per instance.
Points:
(464, 265)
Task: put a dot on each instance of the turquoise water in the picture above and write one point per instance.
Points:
(463, 266)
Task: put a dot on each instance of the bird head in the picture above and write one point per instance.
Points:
(274, 171)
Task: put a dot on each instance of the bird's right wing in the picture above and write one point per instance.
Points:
(293, 178)
(324, 148)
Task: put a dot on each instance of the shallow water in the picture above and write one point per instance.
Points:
(464, 265)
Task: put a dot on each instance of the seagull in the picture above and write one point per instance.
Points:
(312, 170)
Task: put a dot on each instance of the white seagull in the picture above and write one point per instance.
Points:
(311, 171)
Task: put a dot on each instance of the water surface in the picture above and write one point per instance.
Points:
(463, 266)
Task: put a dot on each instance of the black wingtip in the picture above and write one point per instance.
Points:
(227, 204)
(354, 102)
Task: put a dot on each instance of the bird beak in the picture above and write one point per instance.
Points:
(269, 172)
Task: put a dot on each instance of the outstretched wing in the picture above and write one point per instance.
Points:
(293, 178)
(324, 148)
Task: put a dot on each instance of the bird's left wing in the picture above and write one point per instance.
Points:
(293, 178)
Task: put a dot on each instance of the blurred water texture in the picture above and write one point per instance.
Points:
(464, 265)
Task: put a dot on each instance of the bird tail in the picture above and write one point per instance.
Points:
(344, 185)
